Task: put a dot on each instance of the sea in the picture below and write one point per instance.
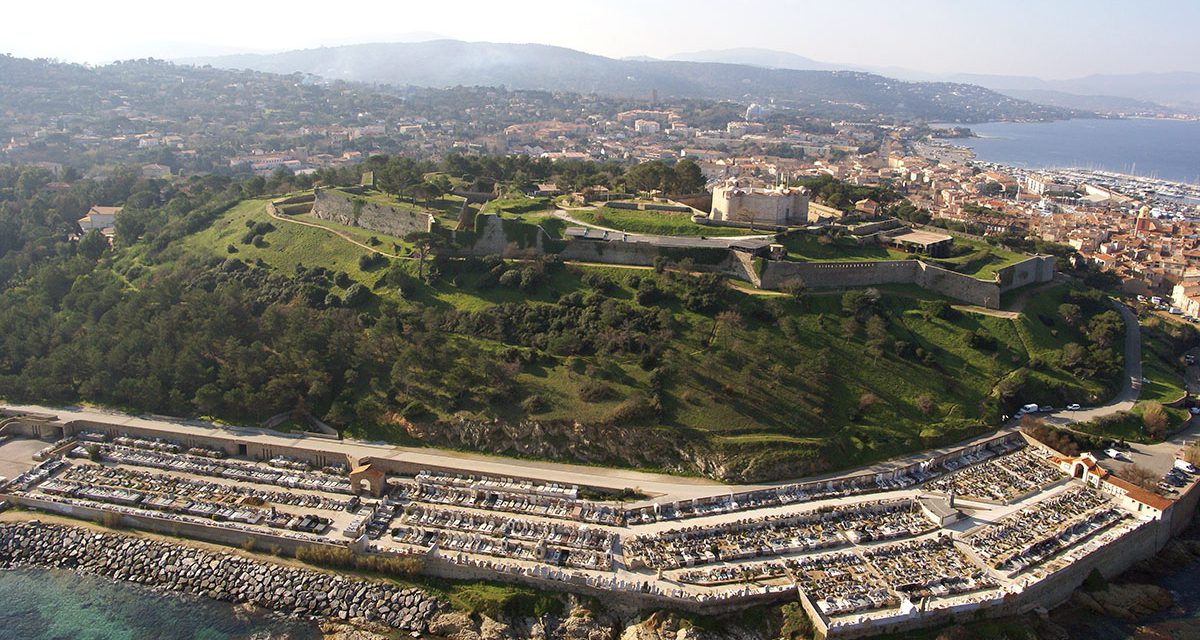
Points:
(53, 604)
(1162, 149)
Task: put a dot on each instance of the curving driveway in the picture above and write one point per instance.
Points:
(1130, 390)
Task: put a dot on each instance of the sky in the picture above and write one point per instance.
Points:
(1049, 39)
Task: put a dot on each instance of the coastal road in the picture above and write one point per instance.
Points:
(1131, 389)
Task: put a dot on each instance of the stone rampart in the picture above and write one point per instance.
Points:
(356, 211)
(869, 273)
(492, 238)
(1034, 270)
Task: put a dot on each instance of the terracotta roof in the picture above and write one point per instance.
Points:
(1148, 498)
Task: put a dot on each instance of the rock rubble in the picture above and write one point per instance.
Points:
(220, 576)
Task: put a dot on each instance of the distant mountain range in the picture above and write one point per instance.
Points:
(1165, 92)
(835, 93)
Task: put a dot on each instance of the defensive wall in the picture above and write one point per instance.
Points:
(818, 275)
(493, 235)
(949, 283)
(1038, 268)
(345, 207)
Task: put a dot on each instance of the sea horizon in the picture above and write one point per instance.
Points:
(1151, 148)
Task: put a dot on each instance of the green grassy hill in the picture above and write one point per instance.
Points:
(663, 223)
(733, 385)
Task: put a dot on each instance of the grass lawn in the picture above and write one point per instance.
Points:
(285, 247)
(807, 247)
(1128, 425)
(983, 259)
(661, 223)
(1161, 364)
(515, 207)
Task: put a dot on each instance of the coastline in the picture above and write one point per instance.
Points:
(1166, 154)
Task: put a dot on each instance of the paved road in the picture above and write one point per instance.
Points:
(1159, 457)
(667, 486)
(1130, 390)
(563, 214)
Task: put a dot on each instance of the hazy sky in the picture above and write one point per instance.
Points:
(1046, 38)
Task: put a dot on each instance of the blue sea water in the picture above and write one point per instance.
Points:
(41, 604)
(1166, 149)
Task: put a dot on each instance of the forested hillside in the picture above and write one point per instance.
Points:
(209, 307)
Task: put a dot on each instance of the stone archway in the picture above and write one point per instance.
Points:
(1079, 470)
(369, 479)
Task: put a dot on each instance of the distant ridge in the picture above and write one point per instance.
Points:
(446, 63)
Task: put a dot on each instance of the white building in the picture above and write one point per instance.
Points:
(737, 201)
(99, 218)
(647, 127)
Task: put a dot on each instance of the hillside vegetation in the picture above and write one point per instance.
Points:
(215, 309)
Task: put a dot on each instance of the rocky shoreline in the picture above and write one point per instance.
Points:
(221, 576)
(345, 608)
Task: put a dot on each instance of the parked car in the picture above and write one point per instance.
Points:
(1073, 407)
(1116, 455)
(1194, 411)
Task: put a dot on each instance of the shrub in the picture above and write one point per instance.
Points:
(343, 558)
(594, 391)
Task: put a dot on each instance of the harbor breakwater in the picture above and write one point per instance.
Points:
(225, 577)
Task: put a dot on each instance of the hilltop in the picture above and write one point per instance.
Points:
(210, 306)
(448, 63)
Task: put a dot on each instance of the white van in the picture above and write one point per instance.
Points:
(1185, 466)
(1030, 408)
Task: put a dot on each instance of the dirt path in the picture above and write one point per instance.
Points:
(984, 311)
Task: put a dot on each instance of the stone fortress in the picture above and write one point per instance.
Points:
(740, 203)
(733, 204)
(994, 526)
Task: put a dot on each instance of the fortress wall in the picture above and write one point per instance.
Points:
(342, 208)
(839, 274)
(1034, 270)
(635, 253)
(864, 274)
(630, 600)
(959, 286)
(491, 239)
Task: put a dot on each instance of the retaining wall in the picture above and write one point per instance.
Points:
(167, 526)
(1035, 269)
(491, 239)
(869, 273)
(350, 210)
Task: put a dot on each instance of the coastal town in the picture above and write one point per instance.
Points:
(606, 323)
